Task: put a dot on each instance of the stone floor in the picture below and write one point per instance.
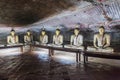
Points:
(38, 66)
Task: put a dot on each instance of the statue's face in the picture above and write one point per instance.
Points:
(76, 32)
(12, 33)
(28, 33)
(43, 33)
(57, 32)
(101, 30)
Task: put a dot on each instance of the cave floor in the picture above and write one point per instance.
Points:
(35, 66)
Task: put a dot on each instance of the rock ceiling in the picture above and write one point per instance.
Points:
(64, 13)
(23, 12)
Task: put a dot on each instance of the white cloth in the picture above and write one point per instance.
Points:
(77, 40)
(44, 39)
(27, 38)
(108, 49)
(101, 40)
(12, 39)
(74, 47)
(58, 40)
(54, 45)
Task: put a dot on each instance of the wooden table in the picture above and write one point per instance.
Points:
(52, 48)
(86, 54)
(12, 46)
(109, 55)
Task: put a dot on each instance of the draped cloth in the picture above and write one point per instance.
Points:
(77, 40)
(12, 39)
(44, 39)
(58, 40)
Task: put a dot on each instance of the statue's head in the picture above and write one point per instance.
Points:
(12, 32)
(43, 32)
(28, 32)
(76, 31)
(57, 32)
(101, 30)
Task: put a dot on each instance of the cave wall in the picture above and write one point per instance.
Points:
(88, 16)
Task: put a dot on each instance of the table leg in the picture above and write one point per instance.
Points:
(21, 48)
(51, 52)
(85, 59)
(77, 57)
(31, 48)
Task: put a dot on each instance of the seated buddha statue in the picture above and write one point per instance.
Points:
(76, 40)
(57, 38)
(43, 39)
(28, 38)
(12, 38)
(101, 41)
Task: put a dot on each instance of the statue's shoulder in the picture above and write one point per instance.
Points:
(72, 35)
(61, 35)
(16, 35)
(80, 35)
(25, 35)
(54, 35)
(107, 35)
(9, 35)
(46, 35)
(96, 34)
